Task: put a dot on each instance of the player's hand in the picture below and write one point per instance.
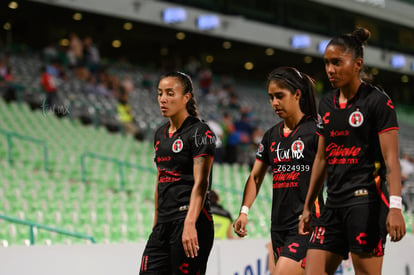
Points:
(305, 227)
(239, 225)
(396, 225)
(190, 240)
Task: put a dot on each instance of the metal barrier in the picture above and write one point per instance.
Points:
(121, 165)
(33, 225)
(11, 135)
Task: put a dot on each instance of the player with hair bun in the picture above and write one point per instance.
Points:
(358, 148)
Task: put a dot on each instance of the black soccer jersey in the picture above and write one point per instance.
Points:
(291, 159)
(174, 159)
(352, 151)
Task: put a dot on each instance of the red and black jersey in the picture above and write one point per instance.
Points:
(291, 159)
(174, 159)
(353, 152)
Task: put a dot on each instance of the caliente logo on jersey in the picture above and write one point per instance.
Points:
(177, 145)
(356, 119)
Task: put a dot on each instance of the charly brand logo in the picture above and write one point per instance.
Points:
(54, 109)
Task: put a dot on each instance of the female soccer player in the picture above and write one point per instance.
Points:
(358, 147)
(183, 231)
(289, 148)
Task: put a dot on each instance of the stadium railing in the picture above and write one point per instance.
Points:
(119, 163)
(33, 225)
(11, 135)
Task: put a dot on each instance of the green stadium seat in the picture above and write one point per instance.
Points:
(98, 207)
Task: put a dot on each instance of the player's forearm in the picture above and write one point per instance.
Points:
(253, 183)
(394, 177)
(316, 181)
(156, 201)
(318, 175)
(251, 190)
(389, 148)
(202, 167)
(197, 199)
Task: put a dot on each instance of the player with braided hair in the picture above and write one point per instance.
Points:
(183, 232)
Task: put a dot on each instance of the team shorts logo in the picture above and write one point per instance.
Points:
(297, 149)
(356, 119)
(177, 145)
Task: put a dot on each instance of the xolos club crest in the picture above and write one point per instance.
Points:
(356, 118)
(297, 149)
(177, 145)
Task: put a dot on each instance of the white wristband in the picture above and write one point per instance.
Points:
(395, 202)
(244, 210)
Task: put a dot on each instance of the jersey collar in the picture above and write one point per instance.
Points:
(281, 133)
(188, 121)
(352, 100)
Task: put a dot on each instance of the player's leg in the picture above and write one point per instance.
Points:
(367, 235)
(155, 258)
(366, 264)
(287, 266)
(290, 252)
(327, 245)
(319, 262)
(179, 262)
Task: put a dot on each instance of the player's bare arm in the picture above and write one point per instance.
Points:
(389, 146)
(202, 166)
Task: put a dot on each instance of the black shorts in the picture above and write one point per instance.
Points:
(289, 244)
(359, 228)
(164, 252)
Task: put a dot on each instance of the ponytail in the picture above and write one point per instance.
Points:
(307, 101)
(192, 106)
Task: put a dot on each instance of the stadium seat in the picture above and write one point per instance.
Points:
(99, 207)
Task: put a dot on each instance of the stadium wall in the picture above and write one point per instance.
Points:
(229, 257)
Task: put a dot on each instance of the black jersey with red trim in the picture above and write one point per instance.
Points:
(174, 157)
(291, 159)
(353, 153)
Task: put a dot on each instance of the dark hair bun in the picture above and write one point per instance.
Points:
(361, 35)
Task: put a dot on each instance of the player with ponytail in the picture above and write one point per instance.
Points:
(289, 148)
(183, 232)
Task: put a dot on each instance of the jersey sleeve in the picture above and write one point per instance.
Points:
(156, 142)
(203, 141)
(385, 114)
(262, 151)
(320, 129)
